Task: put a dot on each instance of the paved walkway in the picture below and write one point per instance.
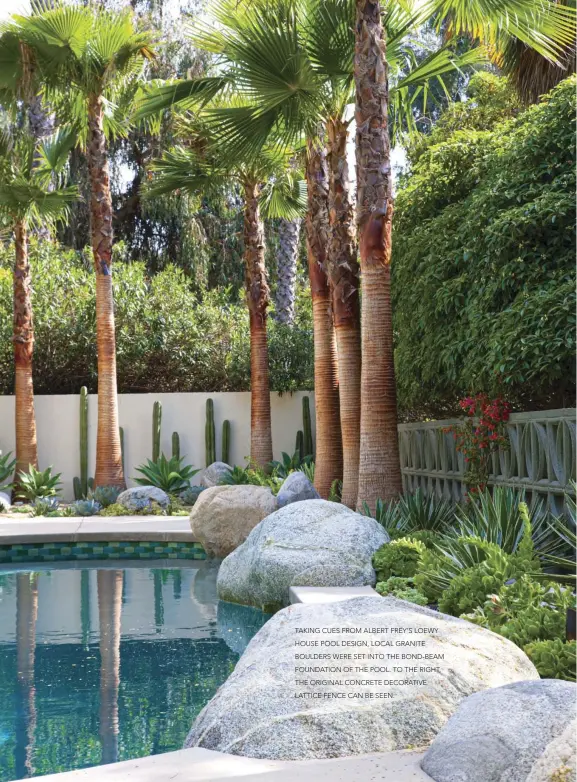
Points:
(61, 529)
(202, 765)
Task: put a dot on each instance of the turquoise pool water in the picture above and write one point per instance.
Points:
(101, 665)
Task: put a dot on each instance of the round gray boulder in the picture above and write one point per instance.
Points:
(500, 734)
(5, 502)
(296, 488)
(141, 498)
(309, 543)
(223, 516)
(286, 701)
(213, 474)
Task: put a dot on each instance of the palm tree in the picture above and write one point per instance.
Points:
(27, 199)
(91, 55)
(536, 24)
(289, 232)
(269, 186)
(26, 616)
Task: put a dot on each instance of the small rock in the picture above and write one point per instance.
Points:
(296, 487)
(141, 497)
(500, 734)
(212, 475)
(5, 502)
(309, 543)
(223, 516)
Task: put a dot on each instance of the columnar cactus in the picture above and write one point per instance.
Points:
(81, 485)
(300, 444)
(175, 445)
(226, 442)
(156, 423)
(307, 428)
(121, 436)
(209, 433)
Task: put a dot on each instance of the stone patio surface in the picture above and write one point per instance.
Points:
(202, 765)
(60, 529)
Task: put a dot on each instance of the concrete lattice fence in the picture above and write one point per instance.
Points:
(540, 460)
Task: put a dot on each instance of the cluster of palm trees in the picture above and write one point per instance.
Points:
(274, 117)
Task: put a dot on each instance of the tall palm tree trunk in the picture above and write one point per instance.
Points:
(257, 291)
(329, 452)
(108, 454)
(379, 467)
(109, 584)
(344, 276)
(26, 446)
(286, 269)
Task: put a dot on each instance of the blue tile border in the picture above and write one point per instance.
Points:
(99, 550)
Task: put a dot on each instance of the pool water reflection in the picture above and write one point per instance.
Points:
(100, 665)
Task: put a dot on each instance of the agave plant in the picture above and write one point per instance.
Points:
(104, 496)
(413, 513)
(564, 528)
(495, 517)
(170, 475)
(7, 466)
(37, 484)
(289, 464)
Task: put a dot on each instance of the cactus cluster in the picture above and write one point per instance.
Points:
(83, 484)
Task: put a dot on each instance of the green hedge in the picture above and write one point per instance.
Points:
(484, 258)
(168, 337)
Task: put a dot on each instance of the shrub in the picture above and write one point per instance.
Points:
(553, 659)
(403, 589)
(253, 476)
(483, 273)
(116, 509)
(397, 558)
(169, 336)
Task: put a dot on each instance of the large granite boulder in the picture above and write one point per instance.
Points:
(558, 763)
(223, 516)
(282, 706)
(296, 488)
(499, 735)
(213, 474)
(140, 498)
(310, 543)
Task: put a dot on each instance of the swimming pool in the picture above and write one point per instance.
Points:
(109, 663)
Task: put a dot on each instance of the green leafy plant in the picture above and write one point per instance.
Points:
(554, 659)
(402, 588)
(36, 484)
(562, 560)
(417, 515)
(105, 495)
(251, 476)
(336, 491)
(398, 558)
(289, 464)
(7, 466)
(116, 509)
(166, 474)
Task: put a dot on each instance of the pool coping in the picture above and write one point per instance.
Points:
(42, 529)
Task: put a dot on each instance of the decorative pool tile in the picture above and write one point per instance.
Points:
(67, 552)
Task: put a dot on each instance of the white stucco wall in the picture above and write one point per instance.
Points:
(57, 420)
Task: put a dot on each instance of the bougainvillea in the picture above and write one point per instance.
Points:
(482, 434)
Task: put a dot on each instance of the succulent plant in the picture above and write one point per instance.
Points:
(189, 496)
(105, 495)
(86, 507)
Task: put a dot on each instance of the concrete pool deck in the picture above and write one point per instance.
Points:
(74, 529)
(203, 765)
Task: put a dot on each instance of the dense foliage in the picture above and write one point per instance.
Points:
(483, 267)
(170, 336)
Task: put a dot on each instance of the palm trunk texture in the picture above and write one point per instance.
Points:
(257, 292)
(108, 454)
(26, 616)
(329, 451)
(23, 336)
(286, 270)
(344, 276)
(379, 466)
